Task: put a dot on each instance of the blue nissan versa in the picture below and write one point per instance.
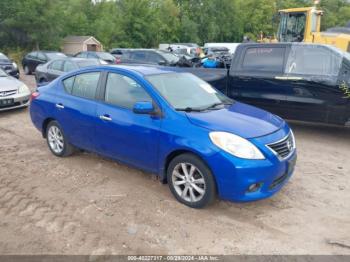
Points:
(173, 124)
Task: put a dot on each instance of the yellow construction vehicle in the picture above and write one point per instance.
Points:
(303, 25)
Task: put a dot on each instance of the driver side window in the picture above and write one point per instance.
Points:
(124, 92)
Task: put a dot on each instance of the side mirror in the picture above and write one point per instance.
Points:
(143, 108)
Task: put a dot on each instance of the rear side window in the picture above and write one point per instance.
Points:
(68, 84)
(313, 60)
(139, 56)
(155, 58)
(69, 66)
(32, 55)
(41, 56)
(264, 59)
(90, 55)
(124, 92)
(81, 55)
(83, 85)
(56, 65)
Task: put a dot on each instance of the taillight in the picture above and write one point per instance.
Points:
(34, 95)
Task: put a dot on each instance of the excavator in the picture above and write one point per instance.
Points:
(304, 24)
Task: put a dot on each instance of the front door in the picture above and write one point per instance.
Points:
(122, 134)
(258, 79)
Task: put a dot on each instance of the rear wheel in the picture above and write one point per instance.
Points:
(191, 181)
(26, 70)
(57, 141)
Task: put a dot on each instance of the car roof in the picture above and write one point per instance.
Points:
(143, 70)
(74, 59)
(44, 51)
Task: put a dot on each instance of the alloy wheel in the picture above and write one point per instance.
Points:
(188, 182)
(56, 140)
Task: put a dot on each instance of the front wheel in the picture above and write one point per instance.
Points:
(57, 141)
(191, 181)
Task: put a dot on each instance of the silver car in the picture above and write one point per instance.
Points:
(13, 93)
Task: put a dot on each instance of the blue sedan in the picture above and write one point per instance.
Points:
(175, 125)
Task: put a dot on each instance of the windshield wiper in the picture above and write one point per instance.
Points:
(215, 105)
(189, 109)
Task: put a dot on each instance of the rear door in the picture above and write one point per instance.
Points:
(314, 94)
(54, 70)
(76, 109)
(256, 77)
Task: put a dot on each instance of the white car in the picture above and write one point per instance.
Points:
(185, 49)
(13, 93)
(231, 46)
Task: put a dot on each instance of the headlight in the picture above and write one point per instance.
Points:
(236, 145)
(23, 89)
(14, 65)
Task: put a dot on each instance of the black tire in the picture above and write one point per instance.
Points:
(67, 148)
(27, 70)
(203, 171)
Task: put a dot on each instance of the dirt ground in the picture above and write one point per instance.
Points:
(89, 205)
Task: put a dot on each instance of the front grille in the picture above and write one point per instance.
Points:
(8, 93)
(284, 147)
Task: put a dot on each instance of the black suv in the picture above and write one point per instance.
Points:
(33, 59)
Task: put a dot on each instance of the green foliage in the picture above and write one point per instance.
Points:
(42, 24)
(345, 89)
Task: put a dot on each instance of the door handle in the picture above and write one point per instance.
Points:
(60, 106)
(105, 118)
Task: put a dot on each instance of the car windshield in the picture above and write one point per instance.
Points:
(169, 57)
(3, 57)
(184, 91)
(90, 62)
(105, 56)
(2, 73)
(55, 55)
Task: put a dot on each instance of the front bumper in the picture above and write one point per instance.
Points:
(19, 101)
(234, 176)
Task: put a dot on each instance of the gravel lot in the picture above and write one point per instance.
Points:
(86, 204)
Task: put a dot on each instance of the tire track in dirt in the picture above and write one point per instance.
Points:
(52, 216)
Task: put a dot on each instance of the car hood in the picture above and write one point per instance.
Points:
(9, 83)
(240, 119)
